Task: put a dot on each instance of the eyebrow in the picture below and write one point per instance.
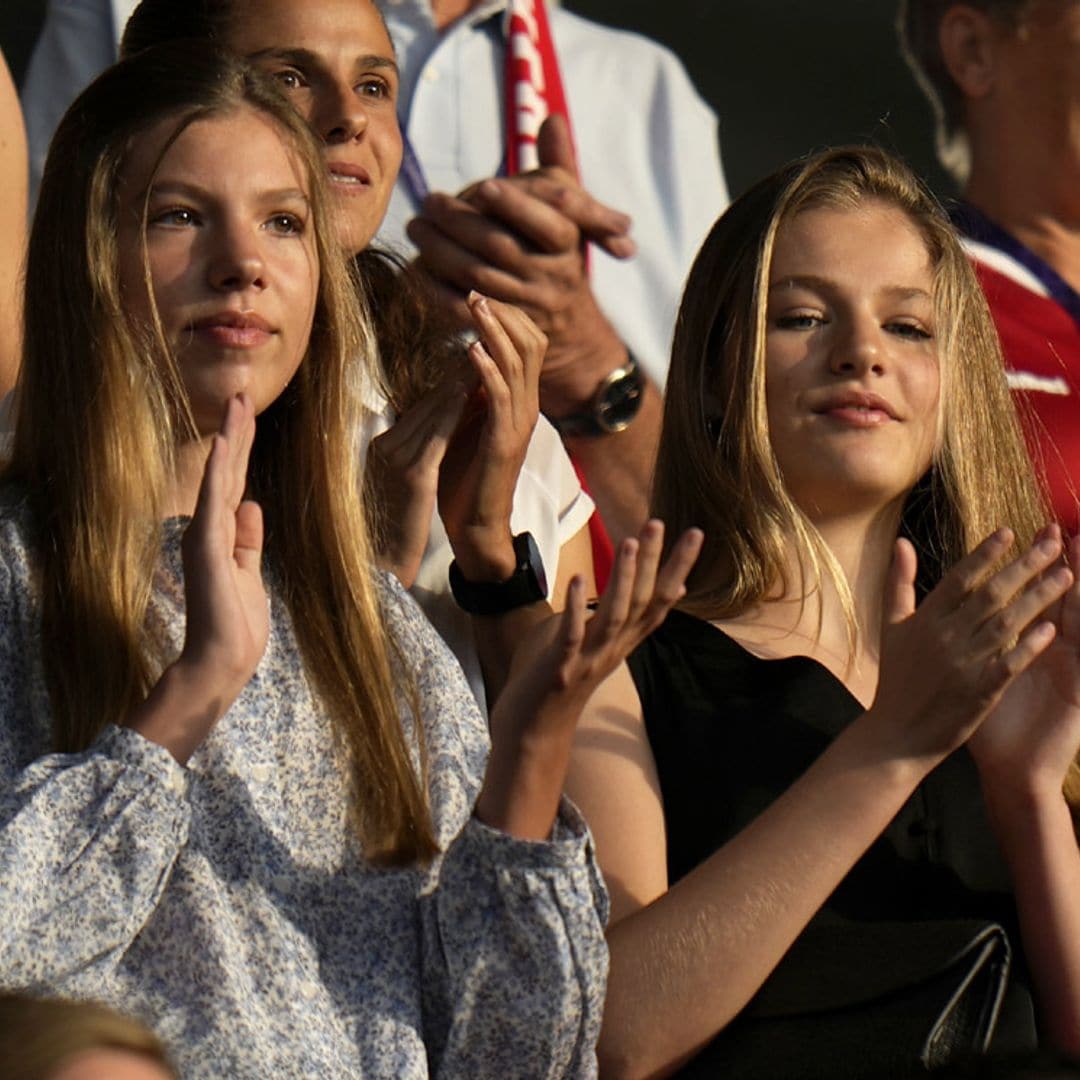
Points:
(305, 58)
(812, 281)
(195, 191)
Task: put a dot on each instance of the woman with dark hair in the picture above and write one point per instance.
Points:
(810, 796)
(447, 479)
(262, 816)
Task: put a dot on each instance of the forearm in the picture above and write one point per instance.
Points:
(525, 776)
(496, 638)
(1036, 835)
(686, 965)
(618, 468)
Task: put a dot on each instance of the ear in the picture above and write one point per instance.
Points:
(968, 39)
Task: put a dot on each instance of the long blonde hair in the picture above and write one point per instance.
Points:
(716, 467)
(101, 407)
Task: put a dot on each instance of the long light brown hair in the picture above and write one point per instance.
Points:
(716, 466)
(101, 408)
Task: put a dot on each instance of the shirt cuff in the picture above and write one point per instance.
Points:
(132, 749)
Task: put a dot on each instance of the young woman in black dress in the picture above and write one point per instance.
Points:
(783, 751)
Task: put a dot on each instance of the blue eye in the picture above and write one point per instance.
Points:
(909, 330)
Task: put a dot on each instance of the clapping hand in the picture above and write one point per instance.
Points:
(558, 667)
(945, 666)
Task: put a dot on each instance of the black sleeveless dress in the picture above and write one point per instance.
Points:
(730, 732)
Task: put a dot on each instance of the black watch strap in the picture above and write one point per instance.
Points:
(526, 585)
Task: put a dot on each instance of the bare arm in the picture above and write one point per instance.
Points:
(13, 183)
(686, 959)
(1023, 752)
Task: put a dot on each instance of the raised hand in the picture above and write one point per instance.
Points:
(521, 240)
(227, 614)
(1031, 738)
(227, 610)
(479, 471)
(946, 665)
(558, 667)
(401, 476)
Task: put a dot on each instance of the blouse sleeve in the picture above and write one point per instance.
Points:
(514, 961)
(87, 840)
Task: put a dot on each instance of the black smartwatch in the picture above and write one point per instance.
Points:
(526, 585)
(614, 404)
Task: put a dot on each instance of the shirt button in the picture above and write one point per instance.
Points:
(431, 74)
(260, 773)
(308, 991)
(177, 783)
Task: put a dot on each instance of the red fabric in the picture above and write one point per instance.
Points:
(1040, 338)
(603, 551)
(532, 94)
(528, 42)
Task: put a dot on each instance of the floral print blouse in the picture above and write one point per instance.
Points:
(227, 904)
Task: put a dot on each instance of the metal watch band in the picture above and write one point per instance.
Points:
(613, 406)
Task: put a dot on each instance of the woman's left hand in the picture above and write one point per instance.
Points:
(479, 471)
(1030, 739)
(557, 669)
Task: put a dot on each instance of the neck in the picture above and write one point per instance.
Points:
(816, 625)
(190, 464)
(1031, 193)
(446, 12)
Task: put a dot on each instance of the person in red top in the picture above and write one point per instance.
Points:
(1004, 79)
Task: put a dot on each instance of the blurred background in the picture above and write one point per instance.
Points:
(784, 76)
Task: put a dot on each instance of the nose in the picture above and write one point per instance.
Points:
(236, 263)
(339, 115)
(858, 349)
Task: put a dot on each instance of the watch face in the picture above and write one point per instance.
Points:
(621, 403)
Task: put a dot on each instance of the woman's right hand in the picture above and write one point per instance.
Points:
(228, 617)
(946, 665)
(401, 475)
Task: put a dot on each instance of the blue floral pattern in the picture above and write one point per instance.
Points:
(227, 904)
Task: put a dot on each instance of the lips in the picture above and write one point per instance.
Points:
(858, 408)
(233, 329)
(348, 178)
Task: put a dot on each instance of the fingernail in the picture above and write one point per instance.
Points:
(1048, 547)
(490, 190)
(478, 299)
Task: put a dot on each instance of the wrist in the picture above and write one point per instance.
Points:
(179, 713)
(484, 555)
(613, 405)
(571, 375)
(526, 582)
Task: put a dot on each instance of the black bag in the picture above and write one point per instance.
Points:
(855, 1001)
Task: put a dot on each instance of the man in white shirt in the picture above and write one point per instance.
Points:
(645, 143)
